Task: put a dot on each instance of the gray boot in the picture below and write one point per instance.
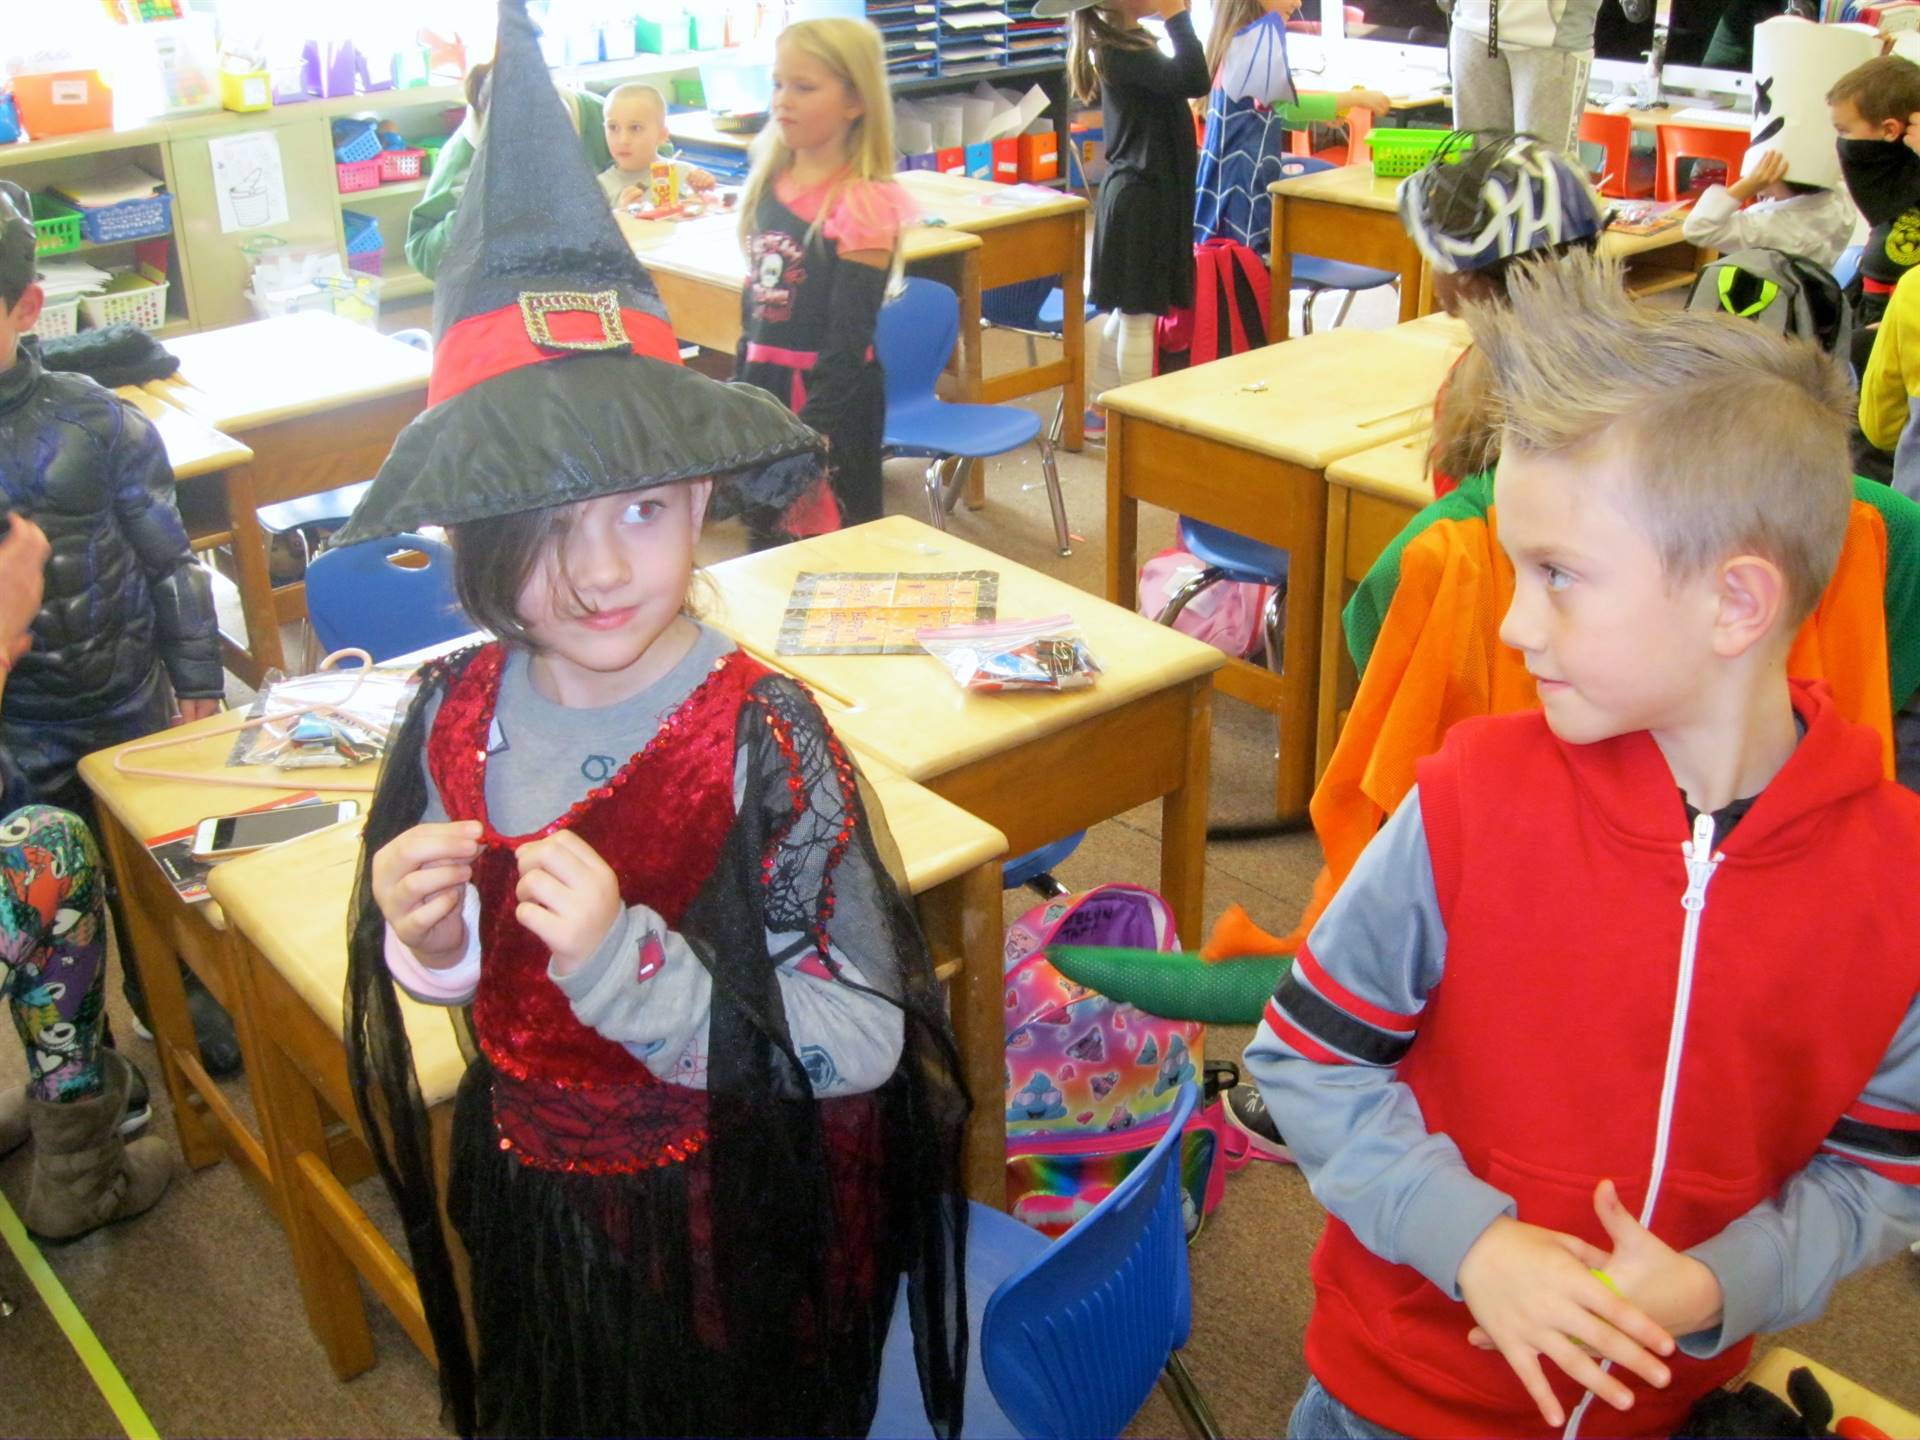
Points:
(14, 1126)
(85, 1174)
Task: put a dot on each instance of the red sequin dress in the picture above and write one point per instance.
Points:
(647, 1258)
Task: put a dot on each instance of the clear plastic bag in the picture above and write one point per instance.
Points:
(330, 719)
(993, 655)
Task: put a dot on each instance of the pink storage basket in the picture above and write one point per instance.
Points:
(360, 175)
(406, 164)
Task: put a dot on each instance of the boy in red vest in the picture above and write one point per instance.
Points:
(1606, 1057)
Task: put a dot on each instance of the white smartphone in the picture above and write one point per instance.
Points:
(219, 836)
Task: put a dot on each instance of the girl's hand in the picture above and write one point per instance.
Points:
(419, 879)
(569, 897)
(1360, 98)
(1533, 1293)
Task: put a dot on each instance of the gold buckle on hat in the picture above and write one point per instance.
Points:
(537, 305)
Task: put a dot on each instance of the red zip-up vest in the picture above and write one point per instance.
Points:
(1544, 1049)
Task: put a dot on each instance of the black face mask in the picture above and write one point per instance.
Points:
(1883, 176)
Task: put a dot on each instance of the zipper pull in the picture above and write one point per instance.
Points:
(1701, 863)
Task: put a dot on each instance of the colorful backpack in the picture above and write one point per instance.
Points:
(1229, 314)
(1229, 615)
(1090, 1082)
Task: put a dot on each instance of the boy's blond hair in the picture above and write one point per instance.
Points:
(852, 51)
(636, 90)
(1732, 440)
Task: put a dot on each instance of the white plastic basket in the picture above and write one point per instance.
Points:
(145, 307)
(59, 318)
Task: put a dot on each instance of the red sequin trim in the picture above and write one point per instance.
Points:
(598, 1130)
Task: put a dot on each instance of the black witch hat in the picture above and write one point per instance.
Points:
(556, 377)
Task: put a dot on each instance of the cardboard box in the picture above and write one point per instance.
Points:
(1006, 159)
(951, 161)
(63, 102)
(1040, 157)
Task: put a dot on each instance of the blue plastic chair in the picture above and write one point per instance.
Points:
(914, 339)
(359, 597)
(1035, 868)
(1034, 309)
(1230, 556)
(1071, 1335)
(1317, 276)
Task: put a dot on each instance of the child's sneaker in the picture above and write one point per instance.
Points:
(1247, 1113)
(1094, 424)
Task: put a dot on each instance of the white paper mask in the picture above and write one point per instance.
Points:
(1795, 63)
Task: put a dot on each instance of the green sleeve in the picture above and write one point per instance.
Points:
(1902, 517)
(1366, 612)
(432, 219)
(1314, 109)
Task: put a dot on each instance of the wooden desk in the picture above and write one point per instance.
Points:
(1663, 261)
(165, 929)
(1034, 766)
(1242, 443)
(319, 401)
(1670, 115)
(1340, 214)
(1370, 498)
(193, 447)
(294, 953)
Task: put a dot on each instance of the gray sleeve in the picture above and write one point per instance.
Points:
(1325, 1056)
(1855, 1204)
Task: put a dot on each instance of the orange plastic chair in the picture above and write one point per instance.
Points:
(1612, 136)
(1673, 143)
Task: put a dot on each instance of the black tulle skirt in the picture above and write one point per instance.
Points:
(608, 1305)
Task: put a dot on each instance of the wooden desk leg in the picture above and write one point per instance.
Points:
(335, 1310)
(148, 948)
(1416, 290)
(1280, 293)
(1123, 520)
(1183, 821)
(970, 365)
(255, 581)
(1332, 641)
(962, 919)
(1073, 339)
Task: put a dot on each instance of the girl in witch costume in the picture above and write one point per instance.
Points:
(714, 1115)
(820, 223)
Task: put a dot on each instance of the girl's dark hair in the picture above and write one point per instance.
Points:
(476, 87)
(1094, 30)
(493, 560)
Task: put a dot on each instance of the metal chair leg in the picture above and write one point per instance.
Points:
(1275, 627)
(1058, 427)
(1054, 498)
(1345, 306)
(936, 507)
(1177, 601)
(952, 482)
(1186, 1399)
(1306, 312)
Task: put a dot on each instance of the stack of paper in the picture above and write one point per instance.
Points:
(124, 181)
(64, 279)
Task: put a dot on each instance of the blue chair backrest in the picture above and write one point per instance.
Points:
(915, 338)
(1848, 265)
(1073, 1344)
(357, 597)
(1017, 306)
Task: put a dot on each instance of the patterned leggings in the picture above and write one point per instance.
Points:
(53, 948)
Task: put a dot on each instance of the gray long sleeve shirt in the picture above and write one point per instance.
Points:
(1407, 1193)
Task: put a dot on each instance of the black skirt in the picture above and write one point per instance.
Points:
(1142, 245)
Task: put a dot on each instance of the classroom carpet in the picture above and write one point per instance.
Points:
(197, 1304)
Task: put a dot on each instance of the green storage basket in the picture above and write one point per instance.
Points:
(56, 226)
(1402, 152)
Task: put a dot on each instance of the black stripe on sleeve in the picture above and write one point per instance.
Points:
(1333, 1026)
(1876, 1139)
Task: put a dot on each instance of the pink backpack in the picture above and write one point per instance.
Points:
(1091, 1082)
(1229, 614)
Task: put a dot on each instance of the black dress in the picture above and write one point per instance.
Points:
(1143, 225)
(807, 321)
